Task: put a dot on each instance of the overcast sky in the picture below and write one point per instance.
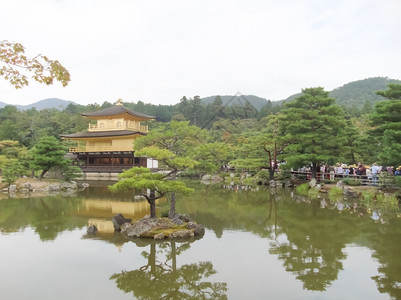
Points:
(160, 51)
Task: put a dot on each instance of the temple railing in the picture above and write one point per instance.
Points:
(131, 126)
(98, 149)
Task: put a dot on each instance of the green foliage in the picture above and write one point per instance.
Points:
(162, 113)
(177, 137)
(313, 193)
(71, 173)
(377, 200)
(263, 176)
(12, 149)
(168, 158)
(387, 180)
(28, 126)
(211, 156)
(11, 169)
(397, 181)
(142, 179)
(302, 189)
(387, 119)
(172, 144)
(284, 173)
(335, 192)
(237, 100)
(351, 181)
(312, 127)
(47, 154)
(393, 92)
(360, 93)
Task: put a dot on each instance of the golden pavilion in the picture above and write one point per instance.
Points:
(108, 144)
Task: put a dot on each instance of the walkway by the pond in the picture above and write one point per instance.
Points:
(387, 180)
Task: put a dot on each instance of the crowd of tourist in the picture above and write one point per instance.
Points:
(368, 173)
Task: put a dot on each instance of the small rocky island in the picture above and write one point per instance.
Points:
(180, 227)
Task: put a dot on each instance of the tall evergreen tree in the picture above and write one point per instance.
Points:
(387, 119)
(47, 154)
(312, 125)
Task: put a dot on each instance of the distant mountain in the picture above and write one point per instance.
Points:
(357, 93)
(43, 104)
(239, 100)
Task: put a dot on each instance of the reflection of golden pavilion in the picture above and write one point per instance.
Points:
(100, 212)
(102, 225)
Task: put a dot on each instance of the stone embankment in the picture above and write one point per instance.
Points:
(33, 186)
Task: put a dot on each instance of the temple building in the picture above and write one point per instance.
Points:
(108, 144)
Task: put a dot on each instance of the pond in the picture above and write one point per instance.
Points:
(257, 245)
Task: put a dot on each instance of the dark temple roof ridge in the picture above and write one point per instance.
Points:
(117, 110)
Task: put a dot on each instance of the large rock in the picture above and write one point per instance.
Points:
(197, 229)
(138, 228)
(12, 188)
(69, 186)
(206, 179)
(340, 184)
(119, 220)
(288, 183)
(177, 221)
(192, 225)
(211, 179)
(317, 187)
(92, 230)
(350, 193)
(52, 188)
(312, 182)
(83, 185)
(162, 228)
(28, 186)
(183, 217)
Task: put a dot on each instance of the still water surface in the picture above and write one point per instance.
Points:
(257, 245)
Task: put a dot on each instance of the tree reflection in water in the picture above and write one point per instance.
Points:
(163, 280)
(310, 245)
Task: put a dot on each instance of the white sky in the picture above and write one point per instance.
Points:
(158, 51)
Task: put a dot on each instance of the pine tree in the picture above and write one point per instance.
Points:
(387, 119)
(312, 125)
(47, 154)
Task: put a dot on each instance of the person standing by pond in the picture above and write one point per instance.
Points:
(375, 169)
(331, 171)
(351, 171)
(340, 170)
(361, 171)
(323, 171)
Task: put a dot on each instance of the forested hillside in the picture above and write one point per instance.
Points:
(358, 93)
(43, 104)
(357, 97)
(238, 100)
